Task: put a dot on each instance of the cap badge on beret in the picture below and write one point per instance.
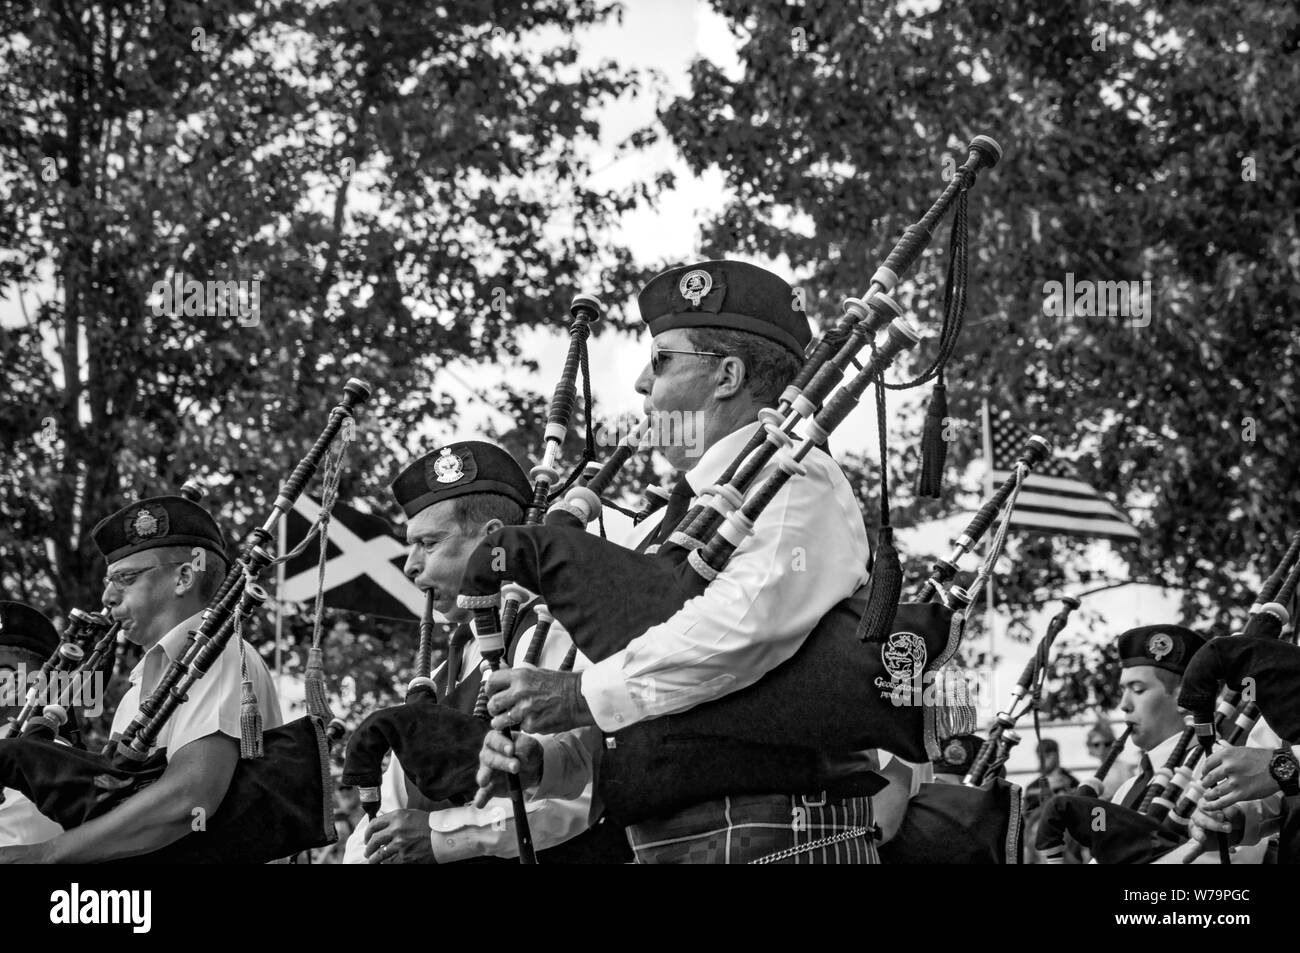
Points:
(447, 467)
(955, 753)
(695, 285)
(147, 522)
(1159, 645)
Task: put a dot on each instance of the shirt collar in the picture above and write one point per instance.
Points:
(1161, 752)
(167, 649)
(713, 461)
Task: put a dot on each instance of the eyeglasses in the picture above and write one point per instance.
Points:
(1098, 744)
(657, 360)
(123, 579)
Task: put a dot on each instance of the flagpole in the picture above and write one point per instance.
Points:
(991, 622)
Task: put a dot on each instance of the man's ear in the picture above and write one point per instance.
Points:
(729, 378)
(187, 579)
(491, 526)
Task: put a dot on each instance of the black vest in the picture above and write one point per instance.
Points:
(783, 734)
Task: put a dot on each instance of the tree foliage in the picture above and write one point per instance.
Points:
(1145, 141)
(407, 181)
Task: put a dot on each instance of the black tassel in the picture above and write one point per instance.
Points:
(934, 449)
(885, 592)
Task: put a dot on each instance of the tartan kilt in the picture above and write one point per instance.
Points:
(761, 829)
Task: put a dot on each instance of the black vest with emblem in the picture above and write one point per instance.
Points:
(789, 732)
(663, 765)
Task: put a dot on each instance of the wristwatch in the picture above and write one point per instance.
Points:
(1285, 771)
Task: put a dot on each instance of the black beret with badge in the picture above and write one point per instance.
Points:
(731, 295)
(458, 469)
(22, 627)
(157, 522)
(1169, 647)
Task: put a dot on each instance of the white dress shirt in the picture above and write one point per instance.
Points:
(808, 552)
(213, 701)
(459, 833)
(1158, 756)
(21, 823)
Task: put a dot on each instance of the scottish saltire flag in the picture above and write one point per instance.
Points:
(363, 572)
(1052, 499)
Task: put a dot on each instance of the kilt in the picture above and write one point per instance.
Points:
(761, 829)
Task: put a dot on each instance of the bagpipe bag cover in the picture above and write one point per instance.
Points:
(958, 824)
(834, 694)
(1115, 834)
(275, 805)
(437, 745)
(1274, 666)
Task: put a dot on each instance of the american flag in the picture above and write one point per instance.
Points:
(1052, 500)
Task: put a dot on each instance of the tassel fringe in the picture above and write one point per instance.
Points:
(886, 590)
(934, 449)
(317, 701)
(250, 724)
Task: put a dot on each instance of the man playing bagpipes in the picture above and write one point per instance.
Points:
(1152, 659)
(166, 559)
(27, 639)
(1253, 792)
(452, 498)
(726, 342)
(1145, 829)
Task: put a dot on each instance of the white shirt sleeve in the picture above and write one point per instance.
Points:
(568, 763)
(1263, 818)
(808, 551)
(462, 832)
(21, 823)
(214, 700)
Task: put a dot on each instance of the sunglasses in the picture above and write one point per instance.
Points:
(123, 579)
(657, 360)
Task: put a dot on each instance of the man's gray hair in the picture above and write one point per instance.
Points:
(474, 510)
(769, 367)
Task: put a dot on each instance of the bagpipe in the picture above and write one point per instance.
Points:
(957, 824)
(279, 800)
(438, 744)
(65, 668)
(832, 695)
(1236, 710)
(981, 820)
(1265, 671)
(86, 645)
(1241, 663)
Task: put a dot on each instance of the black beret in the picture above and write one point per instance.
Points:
(156, 522)
(957, 754)
(22, 627)
(1169, 647)
(458, 469)
(726, 294)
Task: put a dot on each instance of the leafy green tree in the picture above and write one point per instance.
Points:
(406, 182)
(1152, 141)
